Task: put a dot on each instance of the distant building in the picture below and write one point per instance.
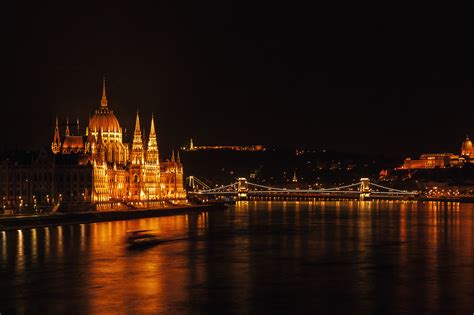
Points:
(442, 160)
(29, 179)
(466, 149)
(193, 147)
(25, 178)
(295, 179)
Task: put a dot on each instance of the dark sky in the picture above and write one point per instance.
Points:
(379, 76)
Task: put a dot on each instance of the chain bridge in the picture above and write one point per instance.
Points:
(243, 189)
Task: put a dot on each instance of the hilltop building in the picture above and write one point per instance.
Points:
(467, 150)
(295, 179)
(442, 160)
(192, 147)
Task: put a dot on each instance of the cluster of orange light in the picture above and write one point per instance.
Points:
(229, 147)
(435, 192)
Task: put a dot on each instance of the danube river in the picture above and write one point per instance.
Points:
(264, 257)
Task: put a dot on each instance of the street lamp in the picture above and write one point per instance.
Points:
(35, 204)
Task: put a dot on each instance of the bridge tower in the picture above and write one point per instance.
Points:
(364, 188)
(242, 188)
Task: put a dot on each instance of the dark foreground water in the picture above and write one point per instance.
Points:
(278, 257)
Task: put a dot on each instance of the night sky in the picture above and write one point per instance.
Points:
(388, 77)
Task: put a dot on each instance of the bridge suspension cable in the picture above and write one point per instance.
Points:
(303, 190)
(192, 180)
(266, 187)
(391, 189)
(338, 188)
(218, 188)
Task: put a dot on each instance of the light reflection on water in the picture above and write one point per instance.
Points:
(4, 247)
(34, 248)
(256, 257)
(19, 264)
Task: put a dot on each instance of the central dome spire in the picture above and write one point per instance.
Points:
(104, 118)
(103, 101)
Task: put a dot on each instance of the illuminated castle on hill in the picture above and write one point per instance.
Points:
(442, 160)
(121, 171)
(193, 147)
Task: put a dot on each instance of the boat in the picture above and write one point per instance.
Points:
(143, 238)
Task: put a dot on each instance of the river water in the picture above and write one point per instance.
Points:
(256, 257)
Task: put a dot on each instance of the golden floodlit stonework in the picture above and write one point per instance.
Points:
(122, 172)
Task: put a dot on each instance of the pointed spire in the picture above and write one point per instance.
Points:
(137, 126)
(178, 158)
(56, 140)
(78, 127)
(152, 127)
(67, 126)
(152, 144)
(152, 147)
(137, 135)
(172, 155)
(103, 101)
(137, 145)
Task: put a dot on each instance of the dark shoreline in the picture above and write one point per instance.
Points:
(95, 216)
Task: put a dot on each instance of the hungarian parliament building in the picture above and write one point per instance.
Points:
(97, 168)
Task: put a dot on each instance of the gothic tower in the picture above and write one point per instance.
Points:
(100, 191)
(179, 187)
(152, 156)
(137, 163)
(68, 133)
(152, 165)
(56, 145)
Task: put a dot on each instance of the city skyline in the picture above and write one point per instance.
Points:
(248, 157)
(77, 120)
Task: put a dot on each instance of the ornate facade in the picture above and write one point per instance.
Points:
(122, 172)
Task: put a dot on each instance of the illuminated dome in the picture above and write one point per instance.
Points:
(104, 119)
(466, 148)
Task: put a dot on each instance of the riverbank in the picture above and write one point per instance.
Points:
(33, 221)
